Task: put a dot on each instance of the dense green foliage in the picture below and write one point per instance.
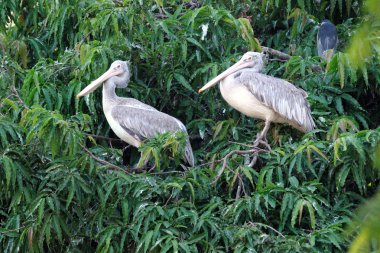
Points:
(55, 196)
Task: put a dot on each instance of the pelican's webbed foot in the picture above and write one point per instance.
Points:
(261, 140)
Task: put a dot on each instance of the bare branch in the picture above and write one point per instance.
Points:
(285, 57)
(254, 151)
(279, 54)
(168, 172)
(238, 191)
(242, 183)
(105, 138)
(254, 224)
(241, 144)
(101, 161)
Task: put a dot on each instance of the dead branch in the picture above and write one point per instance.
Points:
(279, 54)
(254, 151)
(285, 57)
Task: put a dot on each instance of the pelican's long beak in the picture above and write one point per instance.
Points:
(96, 83)
(237, 66)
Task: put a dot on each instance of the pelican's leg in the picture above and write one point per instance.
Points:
(142, 162)
(262, 137)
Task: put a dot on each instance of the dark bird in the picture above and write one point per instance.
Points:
(327, 39)
(261, 96)
(131, 120)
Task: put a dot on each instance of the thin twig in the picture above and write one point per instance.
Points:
(13, 230)
(238, 191)
(267, 226)
(258, 150)
(255, 150)
(105, 138)
(168, 172)
(15, 93)
(151, 169)
(207, 163)
(253, 162)
(278, 60)
(225, 159)
(241, 144)
(242, 183)
(101, 161)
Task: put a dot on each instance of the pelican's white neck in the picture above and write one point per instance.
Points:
(109, 93)
(258, 68)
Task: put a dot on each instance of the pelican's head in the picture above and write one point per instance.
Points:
(118, 74)
(251, 60)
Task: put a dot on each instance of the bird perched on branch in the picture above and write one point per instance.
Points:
(261, 96)
(131, 120)
(327, 39)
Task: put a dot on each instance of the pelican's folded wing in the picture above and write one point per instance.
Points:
(142, 121)
(281, 96)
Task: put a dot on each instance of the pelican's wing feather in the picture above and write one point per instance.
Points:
(281, 96)
(143, 121)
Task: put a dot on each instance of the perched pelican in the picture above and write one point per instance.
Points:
(261, 96)
(327, 39)
(131, 120)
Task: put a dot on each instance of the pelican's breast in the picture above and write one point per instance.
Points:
(239, 97)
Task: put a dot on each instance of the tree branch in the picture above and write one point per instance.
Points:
(255, 151)
(105, 138)
(279, 54)
(101, 161)
(254, 224)
(285, 57)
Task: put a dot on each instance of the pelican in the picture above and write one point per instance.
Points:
(261, 96)
(131, 120)
(327, 39)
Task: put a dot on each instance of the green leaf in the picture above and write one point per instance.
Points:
(41, 210)
(311, 213)
(342, 175)
(57, 227)
(294, 181)
(147, 240)
(181, 79)
(297, 211)
(71, 193)
(339, 105)
(8, 169)
(175, 246)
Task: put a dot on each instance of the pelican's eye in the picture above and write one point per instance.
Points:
(117, 66)
(249, 58)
